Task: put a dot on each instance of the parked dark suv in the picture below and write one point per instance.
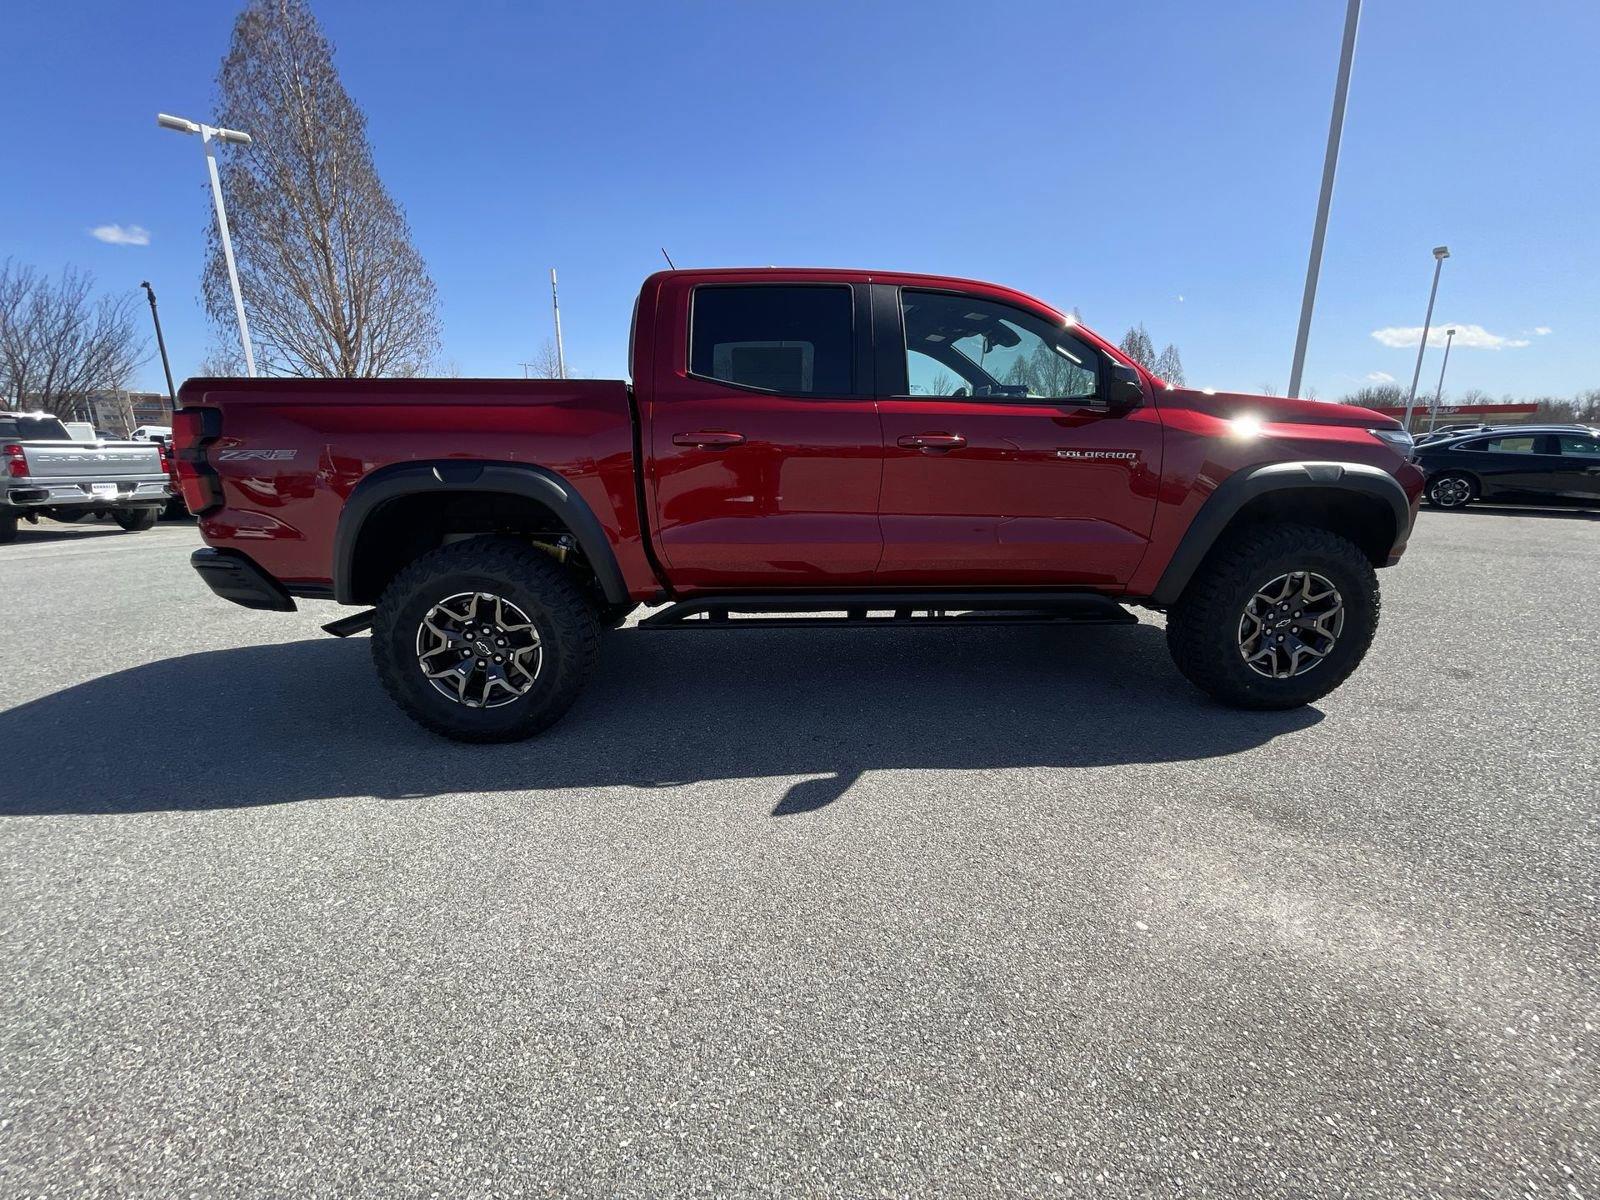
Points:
(1546, 464)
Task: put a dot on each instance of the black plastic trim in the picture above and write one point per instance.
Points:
(235, 576)
(469, 475)
(1244, 486)
(639, 497)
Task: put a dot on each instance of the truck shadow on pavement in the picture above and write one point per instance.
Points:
(307, 720)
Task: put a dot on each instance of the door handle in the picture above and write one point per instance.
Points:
(931, 441)
(708, 439)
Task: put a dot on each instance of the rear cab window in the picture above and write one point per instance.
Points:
(787, 339)
(16, 427)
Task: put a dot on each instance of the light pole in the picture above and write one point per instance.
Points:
(208, 134)
(1330, 164)
(1433, 414)
(555, 307)
(162, 343)
(1440, 253)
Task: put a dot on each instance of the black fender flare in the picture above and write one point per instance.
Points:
(1246, 485)
(463, 475)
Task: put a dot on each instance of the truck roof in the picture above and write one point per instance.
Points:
(850, 275)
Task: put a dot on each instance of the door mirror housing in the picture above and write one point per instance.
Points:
(1124, 389)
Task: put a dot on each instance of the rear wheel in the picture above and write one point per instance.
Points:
(1451, 491)
(488, 640)
(8, 525)
(135, 519)
(1277, 617)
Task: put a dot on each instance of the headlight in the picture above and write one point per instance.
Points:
(1399, 439)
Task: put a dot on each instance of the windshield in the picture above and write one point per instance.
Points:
(33, 429)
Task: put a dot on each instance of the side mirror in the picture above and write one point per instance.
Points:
(1124, 391)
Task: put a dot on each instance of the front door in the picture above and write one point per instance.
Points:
(1580, 467)
(766, 451)
(1518, 468)
(1000, 466)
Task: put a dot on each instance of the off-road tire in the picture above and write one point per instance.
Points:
(8, 525)
(1203, 626)
(528, 578)
(135, 520)
(1452, 489)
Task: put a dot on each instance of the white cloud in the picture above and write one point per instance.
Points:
(1379, 377)
(1543, 330)
(122, 235)
(1473, 337)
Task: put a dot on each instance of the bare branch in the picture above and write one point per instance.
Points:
(58, 344)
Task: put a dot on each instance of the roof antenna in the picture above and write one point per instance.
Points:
(668, 257)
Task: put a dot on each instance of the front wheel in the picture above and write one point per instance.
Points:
(488, 640)
(135, 519)
(1450, 491)
(1277, 617)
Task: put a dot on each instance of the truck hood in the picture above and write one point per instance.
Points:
(1276, 408)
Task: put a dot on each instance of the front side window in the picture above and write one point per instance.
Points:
(789, 340)
(964, 346)
(1580, 445)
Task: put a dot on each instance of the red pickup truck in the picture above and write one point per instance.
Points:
(799, 447)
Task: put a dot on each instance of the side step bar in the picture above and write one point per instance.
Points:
(357, 623)
(895, 608)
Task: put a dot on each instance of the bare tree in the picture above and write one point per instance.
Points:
(331, 281)
(1383, 395)
(1169, 366)
(57, 344)
(1136, 344)
(546, 363)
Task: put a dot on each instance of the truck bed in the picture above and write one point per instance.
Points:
(288, 453)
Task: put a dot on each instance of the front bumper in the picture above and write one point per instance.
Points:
(47, 493)
(235, 576)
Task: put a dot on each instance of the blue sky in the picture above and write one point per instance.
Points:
(1152, 162)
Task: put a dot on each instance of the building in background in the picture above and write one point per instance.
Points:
(119, 413)
(1460, 414)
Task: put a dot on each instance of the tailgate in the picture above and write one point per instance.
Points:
(77, 460)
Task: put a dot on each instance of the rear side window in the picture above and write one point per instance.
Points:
(795, 341)
(34, 429)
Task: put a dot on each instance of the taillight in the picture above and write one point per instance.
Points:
(166, 459)
(16, 461)
(193, 429)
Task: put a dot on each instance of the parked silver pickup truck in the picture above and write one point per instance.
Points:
(44, 472)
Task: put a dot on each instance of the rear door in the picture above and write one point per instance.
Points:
(766, 452)
(1001, 464)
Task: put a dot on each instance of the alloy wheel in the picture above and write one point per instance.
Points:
(479, 650)
(1290, 625)
(1451, 492)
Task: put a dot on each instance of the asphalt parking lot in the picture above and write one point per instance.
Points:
(1012, 911)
